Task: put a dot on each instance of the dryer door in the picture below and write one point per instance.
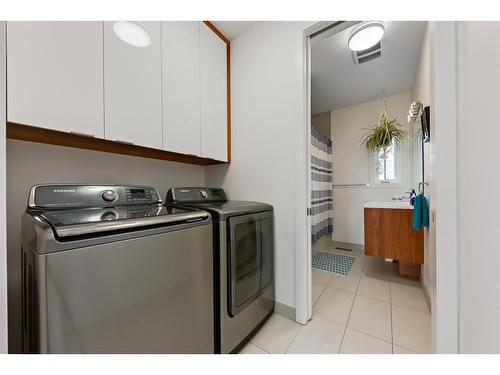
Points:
(250, 258)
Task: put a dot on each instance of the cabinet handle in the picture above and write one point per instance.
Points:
(124, 142)
(83, 134)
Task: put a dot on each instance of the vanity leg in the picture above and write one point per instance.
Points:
(409, 270)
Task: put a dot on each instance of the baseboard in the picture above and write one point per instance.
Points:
(427, 295)
(284, 310)
(349, 245)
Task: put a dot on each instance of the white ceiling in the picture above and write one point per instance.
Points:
(233, 29)
(338, 82)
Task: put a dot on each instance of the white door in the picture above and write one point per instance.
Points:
(213, 78)
(55, 75)
(132, 88)
(181, 87)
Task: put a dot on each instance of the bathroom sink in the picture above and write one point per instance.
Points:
(396, 205)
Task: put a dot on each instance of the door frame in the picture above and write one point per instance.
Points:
(443, 67)
(303, 271)
(3, 210)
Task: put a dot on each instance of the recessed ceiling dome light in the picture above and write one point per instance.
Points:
(366, 36)
(132, 33)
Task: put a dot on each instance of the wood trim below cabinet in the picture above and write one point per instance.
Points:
(54, 137)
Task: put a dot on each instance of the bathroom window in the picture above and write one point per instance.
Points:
(387, 166)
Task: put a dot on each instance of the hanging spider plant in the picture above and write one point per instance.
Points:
(380, 137)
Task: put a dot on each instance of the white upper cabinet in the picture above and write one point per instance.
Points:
(181, 87)
(55, 75)
(213, 81)
(81, 77)
(132, 88)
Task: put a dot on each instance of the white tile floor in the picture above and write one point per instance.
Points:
(370, 311)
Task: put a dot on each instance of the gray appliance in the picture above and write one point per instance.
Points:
(109, 269)
(244, 272)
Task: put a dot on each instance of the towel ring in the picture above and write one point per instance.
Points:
(421, 187)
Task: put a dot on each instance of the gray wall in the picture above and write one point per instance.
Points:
(323, 123)
(32, 163)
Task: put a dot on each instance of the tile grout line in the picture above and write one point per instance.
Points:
(352, 306)
(411, 350)
(322, 291)
(409, 308)
(392, 328)
(294, 337)
(250, 342)
(374, 337)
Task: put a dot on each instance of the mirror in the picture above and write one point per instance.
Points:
(417, 153)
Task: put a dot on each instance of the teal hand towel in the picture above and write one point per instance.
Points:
(420, 213)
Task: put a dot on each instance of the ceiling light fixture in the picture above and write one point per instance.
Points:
(366, 36)
(132, 33)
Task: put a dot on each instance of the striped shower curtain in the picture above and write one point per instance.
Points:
(321, 185)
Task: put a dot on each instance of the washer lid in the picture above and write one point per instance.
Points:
(71, 223)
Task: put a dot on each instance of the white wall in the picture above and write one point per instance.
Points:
(421, 91)
(479, 183)
(3, 241)
(32, 163)
(353, 165)
(444, 177)
(267, 95)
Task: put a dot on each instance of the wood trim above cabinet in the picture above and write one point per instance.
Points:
(228, 80)
(55, 137)
(215, 30)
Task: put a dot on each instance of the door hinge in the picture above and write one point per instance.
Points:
(309, 211)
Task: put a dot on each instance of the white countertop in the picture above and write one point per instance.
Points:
(395, 205)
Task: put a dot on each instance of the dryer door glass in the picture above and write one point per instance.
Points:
(245, 259)
(267, 251)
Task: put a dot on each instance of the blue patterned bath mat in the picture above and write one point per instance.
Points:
(333, 263)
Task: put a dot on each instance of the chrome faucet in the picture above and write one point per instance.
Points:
(402, 197)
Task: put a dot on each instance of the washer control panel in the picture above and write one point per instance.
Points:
(72, 196)
(195, 194)
(141, 195)
(109, 195)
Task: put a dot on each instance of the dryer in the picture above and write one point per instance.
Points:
(244, 261)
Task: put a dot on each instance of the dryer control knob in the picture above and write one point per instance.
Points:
(109, 195)
(203, 194)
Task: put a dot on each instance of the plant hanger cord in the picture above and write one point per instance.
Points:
(383, 109)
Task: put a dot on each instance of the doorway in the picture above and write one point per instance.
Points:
(387, 77)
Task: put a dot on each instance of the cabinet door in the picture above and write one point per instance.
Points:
(55, 75)
(132, 88)
(213, 78)
(181, 87)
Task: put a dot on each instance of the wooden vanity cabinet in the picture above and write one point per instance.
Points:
(389, 234)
